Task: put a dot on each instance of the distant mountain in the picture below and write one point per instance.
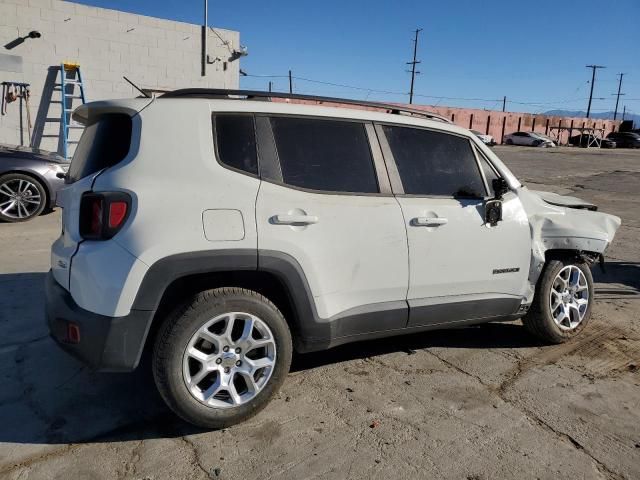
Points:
(600, 115)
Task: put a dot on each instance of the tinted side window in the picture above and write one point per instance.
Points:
(326, 155)
(434, 163)
(103, 144)
(236, 142)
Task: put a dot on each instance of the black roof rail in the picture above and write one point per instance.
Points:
(260, 95)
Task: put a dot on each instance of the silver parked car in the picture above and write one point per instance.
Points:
(29, 181)
(485, 138)
(529, 139)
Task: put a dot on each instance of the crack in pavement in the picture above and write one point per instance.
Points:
(131, 466)
(521, 367)
(196, 456)
(7, 347)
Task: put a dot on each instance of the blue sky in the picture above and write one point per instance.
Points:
(533, 52)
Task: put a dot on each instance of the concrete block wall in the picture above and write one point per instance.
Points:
(493, 121)
(152, 52)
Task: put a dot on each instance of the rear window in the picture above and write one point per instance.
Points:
(103, 144)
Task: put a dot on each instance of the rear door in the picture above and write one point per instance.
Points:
(325, 201)
(460, 268)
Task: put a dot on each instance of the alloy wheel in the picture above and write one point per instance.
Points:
(229, 360)
(19, 198)
(569, 297)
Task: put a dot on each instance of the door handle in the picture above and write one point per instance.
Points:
(428, 221)
(294, 219)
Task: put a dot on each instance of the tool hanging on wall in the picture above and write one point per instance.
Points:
(12, 91)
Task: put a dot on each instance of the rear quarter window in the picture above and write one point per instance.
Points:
(104, 143)
(236, 142)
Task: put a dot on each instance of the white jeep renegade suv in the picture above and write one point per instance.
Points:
(219, 233)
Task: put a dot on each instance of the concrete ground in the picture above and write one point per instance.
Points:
(474, 403)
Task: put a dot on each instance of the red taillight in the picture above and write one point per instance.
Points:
(103, 214)
(117, 212)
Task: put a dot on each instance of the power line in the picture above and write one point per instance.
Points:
(369, 91)
(413, 65)
(593, 80)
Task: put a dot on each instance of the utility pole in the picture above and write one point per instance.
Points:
(413, 64)
(269, 85)
(624, 110)
(204, 38)
(593, 80)
(504, 103)
(615, 113)
(290, 82)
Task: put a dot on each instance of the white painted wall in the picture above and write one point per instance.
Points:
(108, 44)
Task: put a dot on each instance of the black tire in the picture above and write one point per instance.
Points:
(10, 179)
(539, 320)
(181, 325)
(509, 141)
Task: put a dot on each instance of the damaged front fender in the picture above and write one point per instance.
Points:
(564, 223)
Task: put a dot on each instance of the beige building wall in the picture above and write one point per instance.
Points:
(152, 52)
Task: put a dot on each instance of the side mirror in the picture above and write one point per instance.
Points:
(493, 207)
(493, 212)
(500, 187)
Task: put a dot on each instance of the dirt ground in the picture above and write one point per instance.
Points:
(474, 403)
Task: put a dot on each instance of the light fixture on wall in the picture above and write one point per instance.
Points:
(20, 40)
(236, 54)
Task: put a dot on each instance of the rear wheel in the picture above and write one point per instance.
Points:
(219, 359)
(509, 141)
(21, 197)
(562, 306)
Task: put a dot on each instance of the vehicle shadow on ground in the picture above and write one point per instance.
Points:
(624, 273)
(49, 398)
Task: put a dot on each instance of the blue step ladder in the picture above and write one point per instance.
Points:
(70, 77)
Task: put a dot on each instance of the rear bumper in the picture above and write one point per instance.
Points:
(106, 343)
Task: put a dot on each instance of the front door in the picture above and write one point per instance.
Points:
(460, 267)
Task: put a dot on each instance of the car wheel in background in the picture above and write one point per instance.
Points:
(509, 141)
(21, 197)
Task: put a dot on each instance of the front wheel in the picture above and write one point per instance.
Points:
(562, 305)
(220, 358)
